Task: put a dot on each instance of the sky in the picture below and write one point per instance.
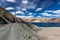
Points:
(32, 8)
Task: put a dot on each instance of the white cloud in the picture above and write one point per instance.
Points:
(38, 9)
(9, 8)
(46, 14)
(57, 12)
(49, 11)
(30, 13)
(56, 15)
(25, 1)
(27, 5)
(11, 0)
(31, 7)
(24, 16)
(24, 9)
(20, 12)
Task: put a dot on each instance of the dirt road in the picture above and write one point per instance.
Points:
(18, 32)
(8, 33)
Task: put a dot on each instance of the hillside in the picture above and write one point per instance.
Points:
(7, 17)
(55, 20)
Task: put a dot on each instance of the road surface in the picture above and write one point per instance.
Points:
(17, 31)
(8, 32)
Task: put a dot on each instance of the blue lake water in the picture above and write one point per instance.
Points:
(47, 24)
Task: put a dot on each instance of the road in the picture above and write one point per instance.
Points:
(17, 32)
(8, 33)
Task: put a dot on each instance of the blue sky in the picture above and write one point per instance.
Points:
(32, 8)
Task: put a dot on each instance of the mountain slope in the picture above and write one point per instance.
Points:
(8, 17)
(23, 30)
(54, 20)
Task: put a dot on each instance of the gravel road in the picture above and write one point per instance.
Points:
(15, 31)
(8, 33)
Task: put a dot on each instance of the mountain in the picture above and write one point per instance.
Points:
(55, 20)
(42, 20)
(10, 25)
(37, 19)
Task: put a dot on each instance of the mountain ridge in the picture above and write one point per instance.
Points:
(43, 20)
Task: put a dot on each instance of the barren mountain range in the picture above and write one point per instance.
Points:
(42, 20)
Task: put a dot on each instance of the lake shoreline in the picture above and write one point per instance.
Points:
(41, 24)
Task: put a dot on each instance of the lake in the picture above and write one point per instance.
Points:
(47, 24)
